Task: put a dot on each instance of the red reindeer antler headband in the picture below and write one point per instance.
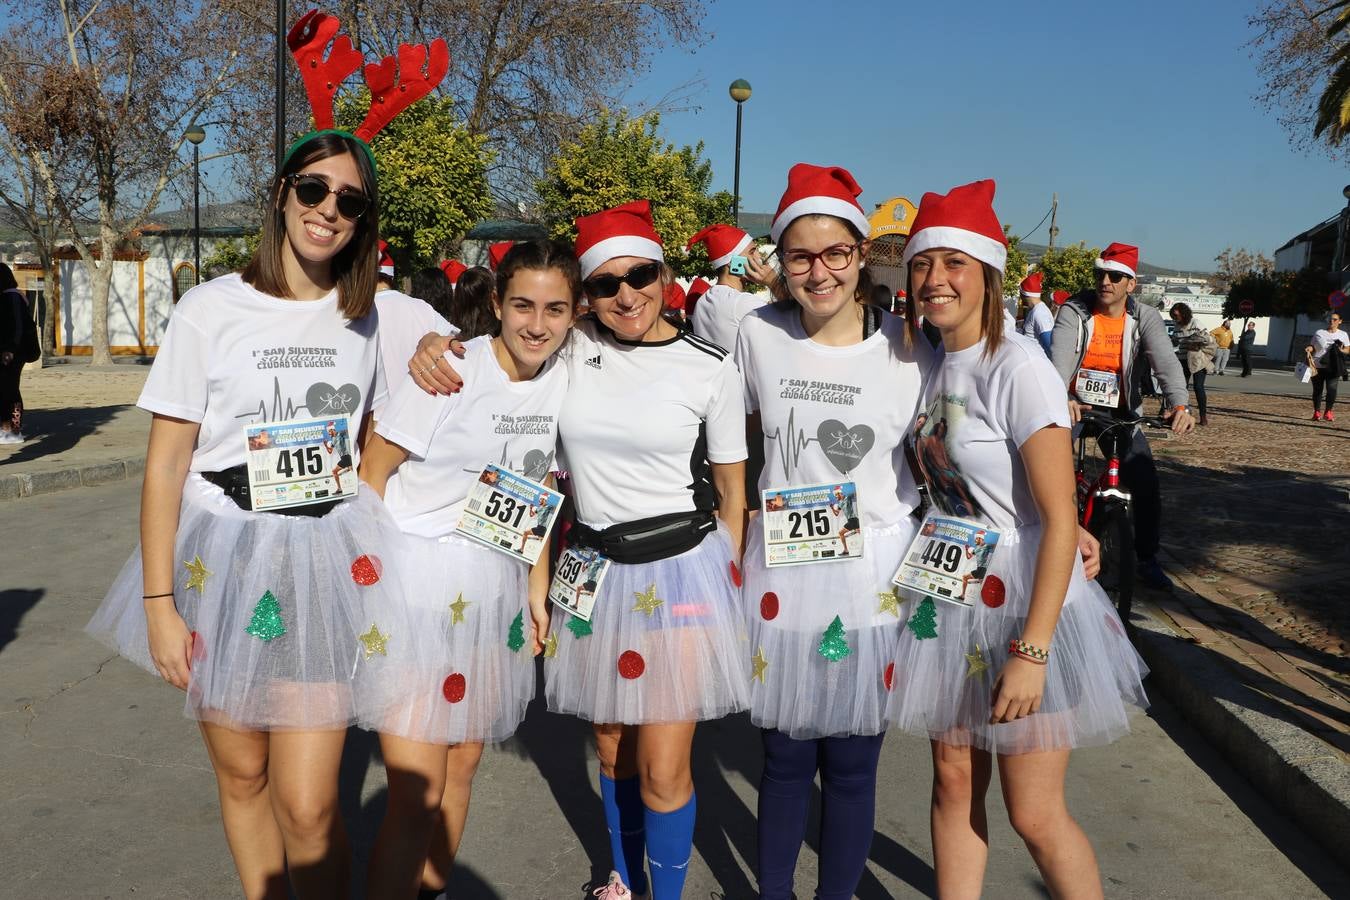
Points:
(395, 83)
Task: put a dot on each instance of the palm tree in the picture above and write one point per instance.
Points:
(1333, 108)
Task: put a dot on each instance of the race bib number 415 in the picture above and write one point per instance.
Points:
(300, 462)
(816, 523)
(510, 513)
(948, 559)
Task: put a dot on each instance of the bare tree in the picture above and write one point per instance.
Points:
(1293, 57)
(1230, 265)
(96, 96)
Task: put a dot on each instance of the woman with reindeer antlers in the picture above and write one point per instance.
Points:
(258, 589)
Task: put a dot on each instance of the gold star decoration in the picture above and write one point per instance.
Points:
(975, 663)
(647, 601)
(550, 646)
(196, 574)
(457, 609)
(890, 602)
(375, 642)
(758, 663)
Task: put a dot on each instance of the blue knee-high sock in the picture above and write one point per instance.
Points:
(624, 815)
(670, 844)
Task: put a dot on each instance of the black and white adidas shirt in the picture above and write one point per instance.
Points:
(642, 422)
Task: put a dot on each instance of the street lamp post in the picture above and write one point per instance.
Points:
(740, 92)
(279, 85)
(196, 135)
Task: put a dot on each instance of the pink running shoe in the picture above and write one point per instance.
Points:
(1330, 416)
(615, 890)
(1317, 415)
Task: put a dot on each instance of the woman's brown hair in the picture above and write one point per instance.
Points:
(991, 314)
(863, 293)
(356, 267)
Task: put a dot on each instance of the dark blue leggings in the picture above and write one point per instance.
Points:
(848, 783)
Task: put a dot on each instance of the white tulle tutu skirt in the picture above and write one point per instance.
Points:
(686, 661)
(279, 613)
(943, 685)
(798, 690)
(466, 670)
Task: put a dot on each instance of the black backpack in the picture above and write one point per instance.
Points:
(30, 349)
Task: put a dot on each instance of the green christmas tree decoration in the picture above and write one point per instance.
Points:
(266, 624)
(833, 645)
(924, 621)
(516, 638)
(578, 626)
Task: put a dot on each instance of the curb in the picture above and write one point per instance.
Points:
(21, 484)
(1300, 775)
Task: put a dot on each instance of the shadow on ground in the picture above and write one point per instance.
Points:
(14, 605)
(58, 430)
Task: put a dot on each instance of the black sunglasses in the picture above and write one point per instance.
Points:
(601, 286)
(311, 190)
(1115, 277)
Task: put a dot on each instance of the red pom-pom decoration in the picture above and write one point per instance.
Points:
(366, 570)
(888, 677)
(631, 664)
(768, 606)
(993, 592)
(735, 573)
(198, 648)
(453, 688)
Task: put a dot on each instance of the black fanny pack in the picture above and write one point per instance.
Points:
(647, 540)
(234, 482)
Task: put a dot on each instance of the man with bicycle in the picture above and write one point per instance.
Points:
(1098, 338)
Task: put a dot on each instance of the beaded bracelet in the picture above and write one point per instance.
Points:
(1028, 651)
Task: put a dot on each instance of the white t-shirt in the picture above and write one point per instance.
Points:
(642, 420)
(718, 313)
(450, 439)
(977, 413)
(234, 356)
(1323, 341)
(403, 322)
(1038, 321)
(831, 413)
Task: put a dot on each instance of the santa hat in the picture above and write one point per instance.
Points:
(901, 295)
(962, 219)
(386, 261)
(625, 230)
(1118, 258)
(497, 251)
(827, 190)
(697, 288)
(723, 242)
(453, 268)
(1032, 285)
(674, 296)
(1060, 297)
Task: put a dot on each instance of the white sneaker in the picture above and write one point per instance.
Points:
(11, 437)
(614, 890)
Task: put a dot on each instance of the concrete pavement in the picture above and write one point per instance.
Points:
(106, 790)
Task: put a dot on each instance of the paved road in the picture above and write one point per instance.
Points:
(106, 792)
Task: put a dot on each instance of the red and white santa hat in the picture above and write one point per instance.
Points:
(827, 190)
(697, 288)
(497, 252)
(674, 295)
(386, 261)
(1033, 284)
(625, 230)
(962, 219)
(723, 242)
(453, 268)
(1060, 297)
(1118, 258)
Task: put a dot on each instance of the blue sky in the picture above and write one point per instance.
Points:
(1141, 117)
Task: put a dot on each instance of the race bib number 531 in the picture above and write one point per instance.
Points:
(510, 513)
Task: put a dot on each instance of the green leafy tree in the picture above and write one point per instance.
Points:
(1069, 268)
(618, 159)
(230, 255)
(433, 177)
(1016, 268)
(1333, 106)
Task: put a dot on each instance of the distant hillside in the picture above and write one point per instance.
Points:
(1036, 251)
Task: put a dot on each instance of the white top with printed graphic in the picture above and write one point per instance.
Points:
(234, 356)
(642, 421)
(835, 413)
(977, 413)
(451, 439)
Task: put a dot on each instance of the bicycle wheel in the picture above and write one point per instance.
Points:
(1112, 528)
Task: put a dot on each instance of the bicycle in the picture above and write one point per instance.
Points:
(1104, 506)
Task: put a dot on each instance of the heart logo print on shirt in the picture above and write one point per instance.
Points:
(844, 445)
(535, 465)
(322, 399)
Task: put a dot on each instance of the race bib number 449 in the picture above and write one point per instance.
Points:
(948, 559)
(815, 523)
(300, 462)
(510, 513)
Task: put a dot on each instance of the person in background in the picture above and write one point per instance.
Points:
(1245, 348)
(1326, 357)
(1039, 323)
(432, 285)
(1195, 352)
(471, 308)
(728, 301)
(1223, 337)
(13, 309)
